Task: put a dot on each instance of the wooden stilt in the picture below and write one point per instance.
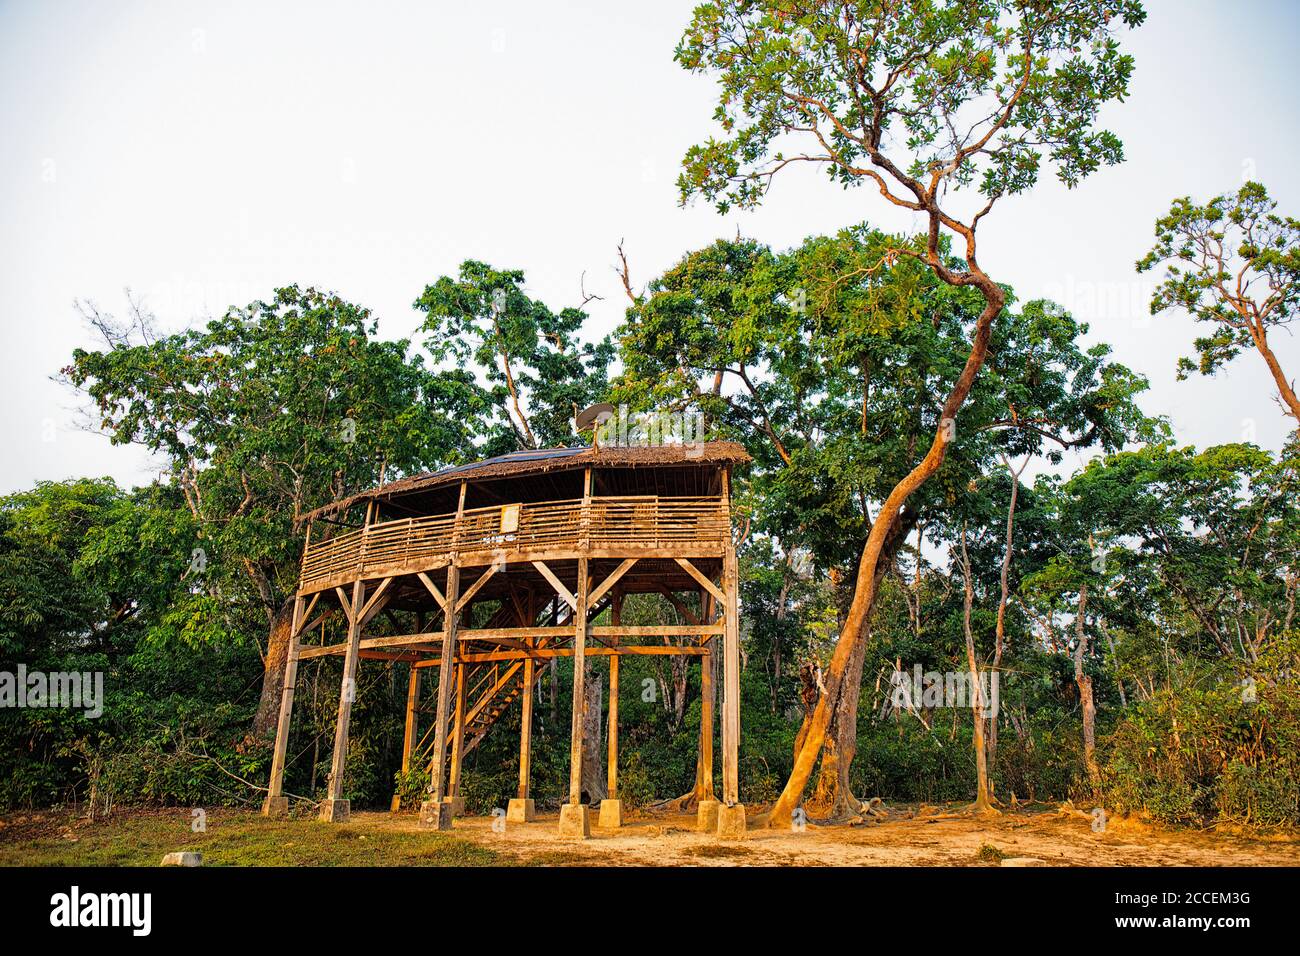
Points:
(707, 696)
(458, 736)
(731, 814)
(579, 685)
(432, 812)
(574, 818)
(409, 737)
(276, 802)
(616, 619)
(335, 809)
(730, 684)
(526, 729)
(521, 809)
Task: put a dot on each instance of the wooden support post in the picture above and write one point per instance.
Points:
(526, 729)
(616, 619)
(433, 812)
(730, 686)
(731, 815)
(521, 809)
(276, 803)
(412, 728)
(335, 809)
(574, 818)
(457, 740)
(708, 694)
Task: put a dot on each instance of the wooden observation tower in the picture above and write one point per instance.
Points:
(544, 545)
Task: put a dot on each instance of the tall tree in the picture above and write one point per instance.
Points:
(536, 367)
(264, 414)
(971, 92)
(828, 370)
(1233, 263)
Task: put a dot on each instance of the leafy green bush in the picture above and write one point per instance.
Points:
(1207, 752)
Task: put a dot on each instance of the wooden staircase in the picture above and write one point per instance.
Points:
(491, 689)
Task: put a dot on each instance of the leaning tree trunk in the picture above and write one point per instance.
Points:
(833, 796)
(864, 592)
(277, 658)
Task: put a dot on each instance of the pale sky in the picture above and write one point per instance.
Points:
(203, 154)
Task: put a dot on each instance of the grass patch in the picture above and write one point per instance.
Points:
(556, 858)
(714, 851)
(233, 838)
(990, 854)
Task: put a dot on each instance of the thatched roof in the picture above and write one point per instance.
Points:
(540, 461)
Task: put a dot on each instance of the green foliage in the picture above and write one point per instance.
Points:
(267, 412)
(536, 368)
(1206, 751)
(975, 92)
(1233, 263)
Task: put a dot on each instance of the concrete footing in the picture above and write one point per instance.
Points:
(706, 817)
(457, 805)
(336, 811)
(611, 814)
(435, 816)
(276, 807)
(575, 820)
(520, 811)
(731, 822)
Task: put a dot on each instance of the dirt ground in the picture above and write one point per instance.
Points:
(908, 836)
(930, 837)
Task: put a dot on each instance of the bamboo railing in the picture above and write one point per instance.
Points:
(412, 544)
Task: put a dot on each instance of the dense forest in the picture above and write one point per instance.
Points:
(910, 509)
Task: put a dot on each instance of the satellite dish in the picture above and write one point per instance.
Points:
(592, 417)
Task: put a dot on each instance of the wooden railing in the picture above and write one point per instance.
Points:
(411, 544)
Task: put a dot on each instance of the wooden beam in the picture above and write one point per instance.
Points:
(526, 728)
(731, 682)
(612, 580)
(458, 733)
(346, 603)
(702, 578)
(373, 606)
(680, 607)
(408, 737)
(433, 589)
(611, 756)
(483, 579)
(547, 653)
(579, 680)
(347, 693)
(708, 694)
(306, 613)
(515, 636)
(317, 621)
(560, 589)
(444, 682)
(276, 789)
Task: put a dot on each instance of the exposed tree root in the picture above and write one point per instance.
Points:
(682, 804)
